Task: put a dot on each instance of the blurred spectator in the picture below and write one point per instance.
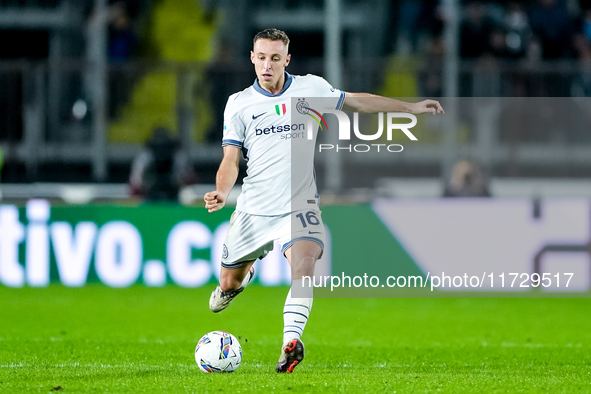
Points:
(486, 79)
(475, 31)
(467, 180)
(518, 30)
(432, 17)
(408, 24)
(497, 43)
(416, 21)
(586, 25)
(161, 169)
(553, 26)
(481, 40)
(122, 38)
(432, 80)
(122, 41)
(581, 86)
(554, 29)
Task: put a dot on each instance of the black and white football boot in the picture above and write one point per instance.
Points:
(220, 300)
(292, 354)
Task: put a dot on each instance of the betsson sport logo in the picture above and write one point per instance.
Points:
(345, 129)
(286, 131)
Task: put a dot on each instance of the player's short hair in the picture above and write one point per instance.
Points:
(273, 35)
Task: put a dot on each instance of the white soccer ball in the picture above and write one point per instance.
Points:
(218, 351)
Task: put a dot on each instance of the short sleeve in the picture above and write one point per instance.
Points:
(234, 129)
(336, 96)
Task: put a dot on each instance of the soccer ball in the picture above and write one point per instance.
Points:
(218, 351)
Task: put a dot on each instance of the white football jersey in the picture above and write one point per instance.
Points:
(265, 126)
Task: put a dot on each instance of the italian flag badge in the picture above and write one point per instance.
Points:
(281, 109)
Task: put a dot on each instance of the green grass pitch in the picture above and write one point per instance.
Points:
(96, 339)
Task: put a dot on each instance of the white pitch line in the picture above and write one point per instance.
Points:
(96, 365)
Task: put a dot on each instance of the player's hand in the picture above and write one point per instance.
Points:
(214, 201)
(428, 106)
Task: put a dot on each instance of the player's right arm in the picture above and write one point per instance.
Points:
(225, 179)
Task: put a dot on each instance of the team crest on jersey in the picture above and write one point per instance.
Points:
(281, 109)
(302, 106)
(225, 252)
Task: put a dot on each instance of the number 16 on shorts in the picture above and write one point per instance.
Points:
(307, 224)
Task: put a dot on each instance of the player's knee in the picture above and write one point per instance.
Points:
(308, 261)
(304, 266)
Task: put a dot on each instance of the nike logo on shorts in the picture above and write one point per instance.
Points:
(254, 117)
(314, 232)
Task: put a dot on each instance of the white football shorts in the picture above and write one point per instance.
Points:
(251, 236)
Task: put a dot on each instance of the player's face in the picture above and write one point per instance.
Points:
(270, 59)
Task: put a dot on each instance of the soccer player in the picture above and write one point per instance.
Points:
(269, 208)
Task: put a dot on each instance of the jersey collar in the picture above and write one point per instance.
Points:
(258, 88)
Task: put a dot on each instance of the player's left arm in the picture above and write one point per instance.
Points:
(370, 103)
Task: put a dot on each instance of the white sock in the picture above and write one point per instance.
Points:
(295, 316)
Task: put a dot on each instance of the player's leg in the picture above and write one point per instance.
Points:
(239, 253)
(233, 278)
(232, 282)
(302, 256)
